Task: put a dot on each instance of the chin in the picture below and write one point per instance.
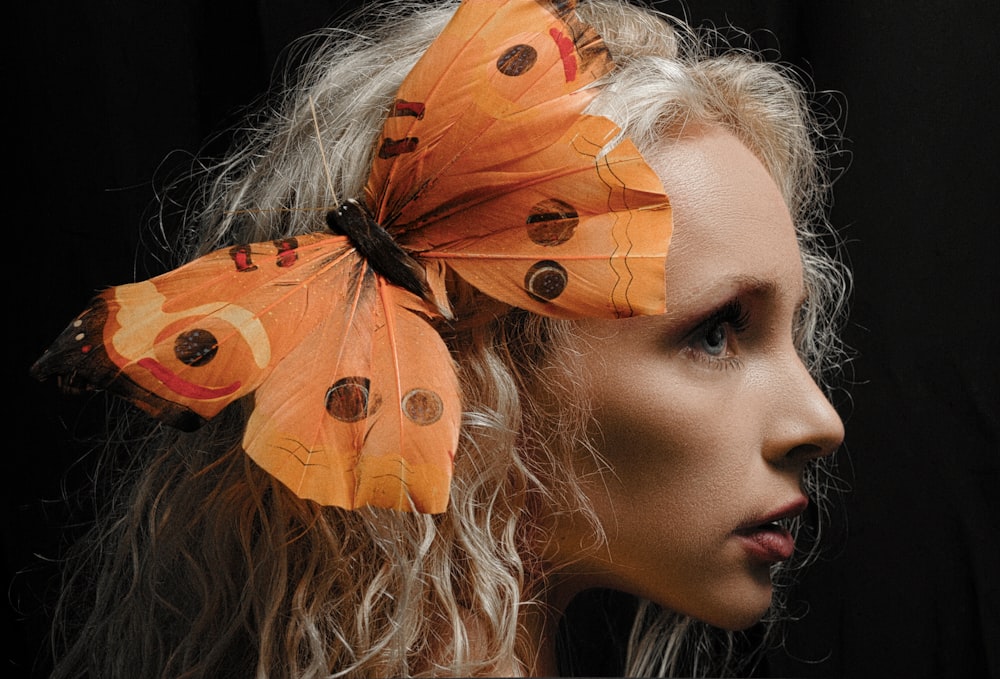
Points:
(736, 611)
(740, 620)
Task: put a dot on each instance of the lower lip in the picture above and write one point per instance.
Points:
(771, 544)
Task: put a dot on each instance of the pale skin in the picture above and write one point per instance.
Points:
(706, 413)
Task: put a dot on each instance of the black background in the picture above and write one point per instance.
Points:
(105, 98)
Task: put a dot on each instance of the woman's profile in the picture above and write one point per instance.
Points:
(500, 303)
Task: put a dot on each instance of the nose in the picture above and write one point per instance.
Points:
(804, 424)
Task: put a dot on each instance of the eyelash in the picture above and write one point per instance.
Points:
(734, 318)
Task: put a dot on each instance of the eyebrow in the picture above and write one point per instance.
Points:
(736, 284)
(745, 285)
(754, 286)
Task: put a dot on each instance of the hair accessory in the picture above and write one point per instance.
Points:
(485, 167)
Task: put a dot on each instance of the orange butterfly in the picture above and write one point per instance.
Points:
(485, 166)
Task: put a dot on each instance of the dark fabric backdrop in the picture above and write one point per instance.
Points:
(106, 98)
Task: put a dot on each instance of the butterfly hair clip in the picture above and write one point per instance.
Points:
(486, 169)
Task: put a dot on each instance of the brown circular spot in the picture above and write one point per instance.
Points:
(552, 222)
(518, 60)
(195, 347)
(347, 399)
(422, 406)
(545, 280)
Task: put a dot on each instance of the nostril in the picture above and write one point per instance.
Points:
(807, 451)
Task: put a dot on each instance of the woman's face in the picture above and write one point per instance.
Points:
(706, 413)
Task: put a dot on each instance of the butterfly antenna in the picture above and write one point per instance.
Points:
(322, 152)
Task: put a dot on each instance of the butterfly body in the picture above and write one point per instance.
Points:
(486, 169)
(377, 247)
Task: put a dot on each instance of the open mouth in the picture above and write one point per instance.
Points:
(772, 540)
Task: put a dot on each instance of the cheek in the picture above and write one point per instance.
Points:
(676, 451)
(650, 418)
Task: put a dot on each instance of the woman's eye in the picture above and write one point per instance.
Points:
(715, 339)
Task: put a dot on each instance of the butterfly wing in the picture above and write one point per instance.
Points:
(302, 322)
(186, 344)
(365, 409)
(515, 191)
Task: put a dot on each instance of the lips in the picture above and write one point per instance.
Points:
(771, 543)
(766, 539)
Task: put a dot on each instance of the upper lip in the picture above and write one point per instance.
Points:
(786, 511)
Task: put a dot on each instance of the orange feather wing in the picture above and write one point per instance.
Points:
(365, 409)
(356, 400)
(515, 191)
(186, 344)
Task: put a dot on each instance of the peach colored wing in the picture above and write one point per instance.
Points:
(294, 321)
(365, 409)
(186, 344)
(514, 190)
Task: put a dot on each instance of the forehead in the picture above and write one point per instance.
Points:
(731, 224)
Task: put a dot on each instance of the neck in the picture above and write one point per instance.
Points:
(540, 625)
